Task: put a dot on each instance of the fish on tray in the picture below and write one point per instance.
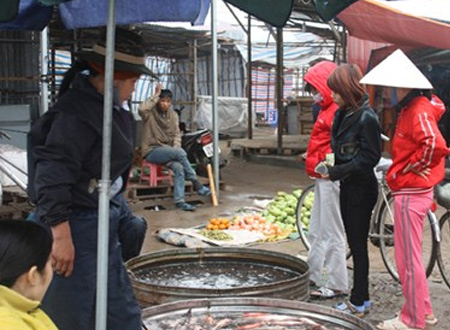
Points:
(240, 321)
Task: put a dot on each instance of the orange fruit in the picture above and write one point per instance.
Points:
(222, 226)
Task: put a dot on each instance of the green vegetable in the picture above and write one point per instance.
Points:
(217, 235)
(297, 193)
(275, 211)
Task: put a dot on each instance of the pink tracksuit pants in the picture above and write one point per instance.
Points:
(409, 217)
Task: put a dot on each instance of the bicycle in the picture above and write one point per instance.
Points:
(442, 194)
(381, 230)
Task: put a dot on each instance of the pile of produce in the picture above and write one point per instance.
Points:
(277, 221)
(218, 224)
(218, 235)
(281, 211)
(306, 210)
(255, 222)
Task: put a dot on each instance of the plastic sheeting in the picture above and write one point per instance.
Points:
(299, 48)
(79, 13)
(31, 16)
(232, 112)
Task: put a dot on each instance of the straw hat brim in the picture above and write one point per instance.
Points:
(91, 56)
(397, 70)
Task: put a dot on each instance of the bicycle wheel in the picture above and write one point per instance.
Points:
(386, 232)
(303, 212)
(443, 249)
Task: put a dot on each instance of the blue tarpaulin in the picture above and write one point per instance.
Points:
(77, 14)
(31, 16)
(88, 13)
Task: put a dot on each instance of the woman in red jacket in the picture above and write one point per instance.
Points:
(418, 153)
(326, 231)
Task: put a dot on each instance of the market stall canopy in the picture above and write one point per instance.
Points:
(328, 9)
(377, 21)
(435, 9)
(36, 14)
(273, 12)
(32, 15)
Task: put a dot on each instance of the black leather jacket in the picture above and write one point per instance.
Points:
(66, 153)
(356, 143)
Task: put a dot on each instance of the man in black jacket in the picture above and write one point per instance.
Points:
(66, 166)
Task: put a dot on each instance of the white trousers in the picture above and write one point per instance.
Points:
(327, 237)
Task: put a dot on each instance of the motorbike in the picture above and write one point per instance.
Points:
(199, 148)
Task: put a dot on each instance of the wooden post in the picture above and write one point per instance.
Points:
(212, 185)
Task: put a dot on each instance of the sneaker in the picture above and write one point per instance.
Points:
(347, 307)
(185, 206)
(367, 306)
(204, 191)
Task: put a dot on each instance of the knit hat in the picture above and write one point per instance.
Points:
(397, 70)
(129, 55)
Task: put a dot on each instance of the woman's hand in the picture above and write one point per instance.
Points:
(63, 251)
(423, 173)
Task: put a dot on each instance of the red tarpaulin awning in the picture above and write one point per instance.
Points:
(375, 21)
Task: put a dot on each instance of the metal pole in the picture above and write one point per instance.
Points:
(194, 60)
(249, 77)
(105, 182)
(44, 70)
(215, 119)
(279, 89)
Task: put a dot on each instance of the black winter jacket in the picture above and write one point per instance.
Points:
(356, 143)
(66, 153)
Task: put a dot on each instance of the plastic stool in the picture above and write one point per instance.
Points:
(155, 174)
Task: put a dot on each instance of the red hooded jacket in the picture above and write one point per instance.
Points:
(418, 141)
(319, 141)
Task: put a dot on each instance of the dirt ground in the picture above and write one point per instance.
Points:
(246, 181)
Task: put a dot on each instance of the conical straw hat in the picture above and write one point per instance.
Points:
(397, 70)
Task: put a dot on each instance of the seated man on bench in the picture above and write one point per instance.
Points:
(161, 144)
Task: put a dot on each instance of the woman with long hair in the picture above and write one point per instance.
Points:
(356, 143)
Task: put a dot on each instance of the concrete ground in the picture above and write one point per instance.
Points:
(246, 181)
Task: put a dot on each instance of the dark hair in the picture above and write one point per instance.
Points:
(165, 93)
(23, 244)
(69, 75)
(345, 81)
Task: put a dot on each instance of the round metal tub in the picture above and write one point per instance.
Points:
(248, 313)
(211, 263)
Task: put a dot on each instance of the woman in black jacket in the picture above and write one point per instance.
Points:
(356, 143)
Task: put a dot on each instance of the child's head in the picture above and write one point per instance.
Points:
(25, 265)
